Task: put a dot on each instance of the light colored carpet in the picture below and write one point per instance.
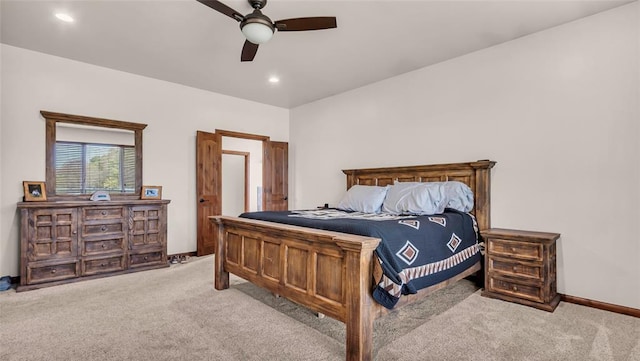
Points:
(167, 314)
(486, 329)
(175, 314)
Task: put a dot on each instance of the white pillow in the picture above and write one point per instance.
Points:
(366, 199)
(415, 198)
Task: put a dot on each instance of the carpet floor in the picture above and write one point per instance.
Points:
(176, 314)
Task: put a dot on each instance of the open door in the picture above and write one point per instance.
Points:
(275, 181)
(208, 188)
(276, 176)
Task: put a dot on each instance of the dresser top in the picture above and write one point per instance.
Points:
(123, 202)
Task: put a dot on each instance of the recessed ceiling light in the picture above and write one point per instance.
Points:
(64, 17)
(274, 79)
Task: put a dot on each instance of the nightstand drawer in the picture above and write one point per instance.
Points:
(511, 268)
(516, 249)
(516, 289)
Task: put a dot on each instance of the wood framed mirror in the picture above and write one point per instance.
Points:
(54, 120)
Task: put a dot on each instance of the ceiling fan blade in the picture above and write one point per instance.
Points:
(302, 24)
(222, 8)
(249, 51)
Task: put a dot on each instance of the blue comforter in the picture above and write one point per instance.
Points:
(415, 252)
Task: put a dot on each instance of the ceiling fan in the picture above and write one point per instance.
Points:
(258, 28)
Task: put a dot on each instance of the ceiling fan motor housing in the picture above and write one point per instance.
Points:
(257, 4)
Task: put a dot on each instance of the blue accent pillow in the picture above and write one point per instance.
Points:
(414, 198)
(366, 199)
(418, 198)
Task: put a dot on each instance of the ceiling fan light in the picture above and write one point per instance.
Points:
(257, 33)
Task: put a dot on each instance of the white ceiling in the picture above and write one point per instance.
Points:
(185, 42)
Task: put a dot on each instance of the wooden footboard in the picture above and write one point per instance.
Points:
(328, 272)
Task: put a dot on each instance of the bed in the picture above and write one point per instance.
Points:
(330, 272)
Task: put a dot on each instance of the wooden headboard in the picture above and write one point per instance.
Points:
(475, 174)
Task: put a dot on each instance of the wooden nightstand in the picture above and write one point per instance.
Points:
(520, 266)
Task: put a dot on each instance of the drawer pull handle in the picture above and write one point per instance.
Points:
(513, 249)
(146, 258)
(105, 246)
(515, 268)
(104, 213)
(515, 288)
(103, 228)
(53, 270)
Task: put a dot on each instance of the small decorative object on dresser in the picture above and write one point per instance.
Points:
(520, 266)
(151, 192)
(34, 191)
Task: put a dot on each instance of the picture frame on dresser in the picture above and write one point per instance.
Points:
(34, 191)
(151, 192)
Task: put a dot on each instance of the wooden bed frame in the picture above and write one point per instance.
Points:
(331, 272)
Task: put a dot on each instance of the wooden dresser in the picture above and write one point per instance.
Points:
(69, 241)
(520, 266)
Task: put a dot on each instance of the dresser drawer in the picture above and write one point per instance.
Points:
(516, 289)
(512, 268)
(91, 229)
(147, 259)
(103, 213)
(98, 246)
(52, 272)
(103, 265)
(515, 249)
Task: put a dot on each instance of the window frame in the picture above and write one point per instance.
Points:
(52, 119)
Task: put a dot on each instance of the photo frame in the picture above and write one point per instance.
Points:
(34, 191)
(151, 192)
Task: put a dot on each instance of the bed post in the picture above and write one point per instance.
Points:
(221, 277)
(483, 192)
(359, 310)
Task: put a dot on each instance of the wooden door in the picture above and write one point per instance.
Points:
(275, 176)
(208, 188)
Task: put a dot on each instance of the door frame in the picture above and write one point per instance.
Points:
(263, 138)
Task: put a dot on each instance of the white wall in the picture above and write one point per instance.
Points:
(558, 111)
(34, 81)
(233, 186)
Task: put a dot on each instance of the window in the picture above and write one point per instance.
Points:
(96, 154)
(83, 168)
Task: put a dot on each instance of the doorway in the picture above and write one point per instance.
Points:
(272, 194)
(236, 183)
